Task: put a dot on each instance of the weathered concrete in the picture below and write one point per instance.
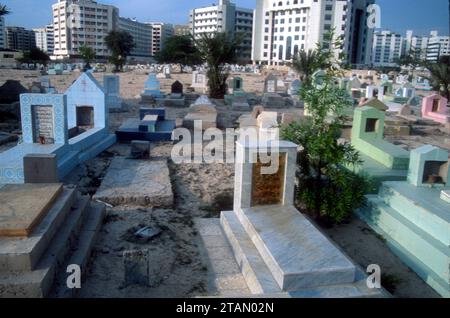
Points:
(72, 233)
(40, 168)
(22, 206)
(138, 182)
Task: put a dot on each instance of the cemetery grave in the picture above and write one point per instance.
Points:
(199, 82)
(381, 160)
(176, 97)
(73, 126)
(152, 90)
(413, 216)
(111, 84)
(271, 96)
(193, 188)
(279, 252)
(35, 247)
(151, 125)
(143, 183)
(201, 110)
(434, 107)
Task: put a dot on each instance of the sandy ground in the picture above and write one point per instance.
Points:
(201, 190)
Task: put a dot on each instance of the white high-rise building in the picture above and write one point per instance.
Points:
(224, 17)
(429, 48)
(438, 46)
(416, 44)
(160, 33)
(45, 38)
(3, 43)
(142, 37)
(387, 48)
(282, 28)
(82, 23)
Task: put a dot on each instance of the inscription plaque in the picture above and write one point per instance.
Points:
(268, 189)
(43, 124)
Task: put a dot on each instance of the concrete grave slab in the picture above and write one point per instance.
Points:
(140, 182)
(23, 206)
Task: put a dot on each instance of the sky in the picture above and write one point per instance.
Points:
(421, 16)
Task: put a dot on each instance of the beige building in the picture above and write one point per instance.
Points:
(160, 33)
(82, 23)
(8, 58)
(181, 29)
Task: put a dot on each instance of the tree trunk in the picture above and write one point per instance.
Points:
(217, 87)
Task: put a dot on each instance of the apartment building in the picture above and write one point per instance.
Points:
(45, 39)
(438, 46)
(160, 33)
(284, 27)
(3, 42)
(429, 48)
(142, 37)
(417, 44)
(225, 17)
(20, 39)
(80, 23)
(387, 48)
(181, 29)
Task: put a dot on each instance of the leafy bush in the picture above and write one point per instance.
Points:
(328, 191)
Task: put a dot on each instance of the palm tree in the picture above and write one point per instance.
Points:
(440, 76)
(88, 55)
(215, 50)
(4, 10)
(305, 64)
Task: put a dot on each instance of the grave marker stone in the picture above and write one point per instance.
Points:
(270, 83)
(40, 168)
(111, 85)
(136, 264)
(177, 88)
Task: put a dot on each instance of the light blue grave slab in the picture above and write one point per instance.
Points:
(414, 219)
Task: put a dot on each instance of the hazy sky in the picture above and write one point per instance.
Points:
(397, 15)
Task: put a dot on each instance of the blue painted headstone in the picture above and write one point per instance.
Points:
(152, 86)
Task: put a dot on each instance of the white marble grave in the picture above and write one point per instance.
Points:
(278, 250)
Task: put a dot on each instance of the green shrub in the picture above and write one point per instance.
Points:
(326, 189)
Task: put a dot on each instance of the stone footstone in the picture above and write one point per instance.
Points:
(136, 267)
(273, 100)
(140, 149)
